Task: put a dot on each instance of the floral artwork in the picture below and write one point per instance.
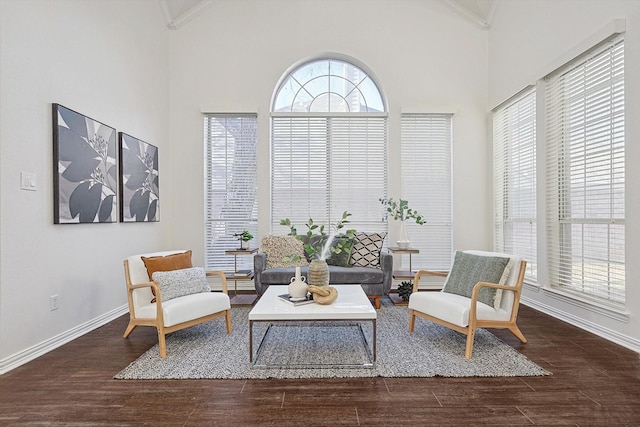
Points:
(139, 187)
(85, 178)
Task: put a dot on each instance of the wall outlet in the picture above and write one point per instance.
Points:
(53, 302)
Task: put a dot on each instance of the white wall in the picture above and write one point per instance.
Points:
(425, 59)
(107, 60)
(526, 38)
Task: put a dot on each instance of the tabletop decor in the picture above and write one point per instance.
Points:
(400, 211)
(244, 237)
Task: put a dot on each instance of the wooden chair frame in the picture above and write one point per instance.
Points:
(474, 322)
(158, 322)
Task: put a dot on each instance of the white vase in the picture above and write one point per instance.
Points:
(403, 241)
(244, 245)
(298, 287)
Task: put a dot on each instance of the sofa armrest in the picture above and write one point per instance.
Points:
(259, 265)
(386, 264)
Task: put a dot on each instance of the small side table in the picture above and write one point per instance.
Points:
(240, 276)
(402, 274)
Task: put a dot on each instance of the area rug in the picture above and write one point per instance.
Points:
(207, 351)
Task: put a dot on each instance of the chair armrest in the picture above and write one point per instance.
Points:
(419, 274)
(259, 265)
(223, 279)
(493, 285)
(386, 265)
(153, 285)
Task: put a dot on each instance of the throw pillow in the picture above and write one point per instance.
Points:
(366, 249)
(177, 283)
(166, 263)
(470, 269)
(341, 259)
(283, 251)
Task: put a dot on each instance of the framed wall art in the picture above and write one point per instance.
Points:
(139, 185)
(84, 169)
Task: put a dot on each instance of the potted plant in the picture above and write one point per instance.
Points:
(318, 245)
(244, 238)
(400, 211)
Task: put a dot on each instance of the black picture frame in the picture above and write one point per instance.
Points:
(139, 180)
(84, 169)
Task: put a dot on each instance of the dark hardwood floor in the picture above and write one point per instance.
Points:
(594, 383)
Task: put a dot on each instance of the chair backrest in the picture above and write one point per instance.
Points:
(138, 274)
(508, 297)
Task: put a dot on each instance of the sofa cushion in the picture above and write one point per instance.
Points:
(469, 269)
(337, 275)
(177, 283)
(340, 259)
(283, 251)
(366, 249)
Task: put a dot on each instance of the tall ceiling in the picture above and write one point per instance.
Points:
(479, 12)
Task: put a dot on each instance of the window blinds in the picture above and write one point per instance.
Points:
(586, 174)
(426, 143)
(230, 187)
(324, 165)
(514, 179)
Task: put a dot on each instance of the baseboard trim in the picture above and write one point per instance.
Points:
(606, 333)
(52, 343)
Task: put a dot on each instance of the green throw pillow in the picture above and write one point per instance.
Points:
(470, 269)
(341, 259)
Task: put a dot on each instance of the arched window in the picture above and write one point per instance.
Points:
(328, 86)
(328, 146)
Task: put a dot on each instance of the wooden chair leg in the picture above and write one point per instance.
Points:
(470, 337)
(129, 329)
(518, 333)
(227, 317)
(412, 320)
(162, 343)
(376, 300)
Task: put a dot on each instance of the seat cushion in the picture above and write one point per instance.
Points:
(338, 275)
(453, 308)
(186, 308)
(469, 269)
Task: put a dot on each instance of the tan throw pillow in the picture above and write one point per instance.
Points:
(167, 263)
(283, 251)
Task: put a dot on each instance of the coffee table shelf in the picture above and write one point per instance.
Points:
(352, 305)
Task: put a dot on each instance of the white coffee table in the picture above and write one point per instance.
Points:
(352, 305)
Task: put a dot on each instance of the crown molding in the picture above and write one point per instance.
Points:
(184, 17)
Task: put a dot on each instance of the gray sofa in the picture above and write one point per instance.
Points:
(376, 282)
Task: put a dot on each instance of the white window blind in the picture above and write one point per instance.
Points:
(586, 174)
(230, 188)
(325, 165)
(514, 179)
(426, 143)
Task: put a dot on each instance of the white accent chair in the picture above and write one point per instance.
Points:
(466, 314)
(175, 314)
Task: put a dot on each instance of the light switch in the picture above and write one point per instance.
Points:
(28, 181)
